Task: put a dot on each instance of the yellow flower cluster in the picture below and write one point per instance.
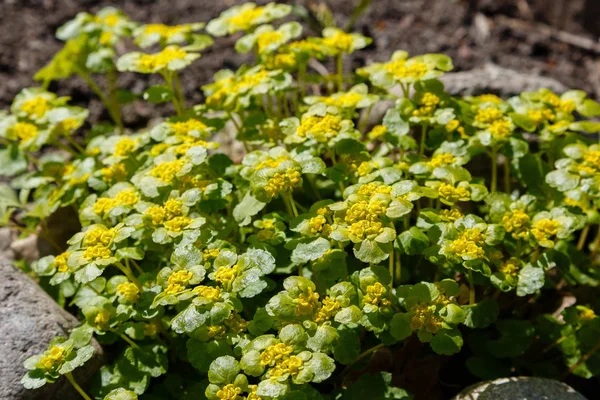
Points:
(510, 267)
(423, 315)
(539, 116)
(37, 106)
(450, 215)
(290, 365)
(100, 236)
(400, 70)
(271, 162)
(229, 392)
(24, 131)
(53, 359)
(565, 106)
(488, 115)
(275, 353)
(544, 229)
(592, 159)
(364, 229)
(516, 222)
(152, 62)
(283, 182)
(468, 244)
(60, 261)
(183, 128)
(96, 252)
(371, 188)
(210, 254)
(441, 159)
(344, 100)
(453, 194)
(318, 225)
(339, 42)
(429, 102)
(236, 323)
(177, 224)
(210, 292)
(245, 19)
(322, 129)
(307, 302)
(114, 173)
(178, 280)
(129, 291)
(167, 170)
(125, 147)
(377, 132)
(127, 197)
(163, 31)
(329, 307)
(102, 319)
(267, 38)
(501, 129)
(375, 295)
(226, 275)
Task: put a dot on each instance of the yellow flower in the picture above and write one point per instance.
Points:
(125, 147)
(158, 149)
(173, 208)
(543, 229)
(210, 254)
(157, 214)
(322, 129)
(586, 315)
(291, 365)
(217, 331)
(96, 252)
(168, 170)
(275, 353)
(153, 62)
(488, 115)
(245, 20)
(102, 319)
(327, 311)
(100, 235)
(24, 131)
(229, 392)
(226, 275)
(60, 261)
(400, 70)
(163, 31)
(185, 127)
(319, 224)
(452, 125)
(248, 81)
(441, 159)
(104, 205)
(178, 280)
(375, 295)
(105, 38)
(422, 315)
(510, 267)
(37, 106)
(126, 197)
(501, 129)
(377, 132)
(283, 182)
(52, 359)
(453, 194)
(490, 98)
(236, 323)
(592, 158)
(468, 244)
(267, 38)
(516, 222)
(344, 100)
(177, 224)
(210, 292)
(450, 215)
(129, 291)
(114, 173)
(339, 42)
(307, 302)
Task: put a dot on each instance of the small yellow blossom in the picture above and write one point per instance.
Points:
(185, 127)
(422, 316)
(544, 229)
(168, 170)
(125, 147)
(100, 235)
(129, 291)
(322, 129)
(275, 353)
(283, 182)
(153, 62)
(488, 115)
(60, 261)
(226, 275)
(177, 224)
(178, 280)
(157, 214)
(450, 215)
(229, 392)
(53, 359)
(210, 292)
(442, 159)
(516, 223)
(115, 173)
(102, 319)
(307, 302)
(377, 132)
(96, 252)
(510, 267)
(375, 295)
(453, 194)
(401, 70)
(24, 131)
(327, 311)
(36, 107)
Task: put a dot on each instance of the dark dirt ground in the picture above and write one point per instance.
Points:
(554, 38)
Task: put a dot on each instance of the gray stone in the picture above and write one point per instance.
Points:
(501, 81)
(29, 320)
(520, 388)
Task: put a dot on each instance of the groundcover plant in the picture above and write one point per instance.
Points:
(450, 221)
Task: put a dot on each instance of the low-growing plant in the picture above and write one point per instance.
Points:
(334, 237)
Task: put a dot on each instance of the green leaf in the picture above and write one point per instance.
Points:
(562, 180)
(121, 394)
(515, 337)
(311, 251)
(34, 379)
(223, 370)
(149, 359)
(369, 251)
(481, 315)
(452, 314)
(523, 121)
(201, 354)
(447, 342)
(12, 161)
(533, 171)
(158, 94)
(247, 208)
(77, 358)
(400, 326)
(271, 389)
(376, 386)
(413, 241)
(531, 279)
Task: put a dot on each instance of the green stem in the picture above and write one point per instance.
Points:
(423, 137)
(340, 71)
(136, 266)
(96, 89)
(595, 245)
(584, 358)
(506, 175)
(398, 276)
(75, 144)
(361, 356)
(111, 80)
(290, 200)
(494, 157)
(76, 386)
(179, 91)
(169, 80)
(391, 270)
(128, 340)
(471, 288)
(583, 237)
(301, 81)
(128, 274)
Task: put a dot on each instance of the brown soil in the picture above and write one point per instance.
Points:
(554, 38)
